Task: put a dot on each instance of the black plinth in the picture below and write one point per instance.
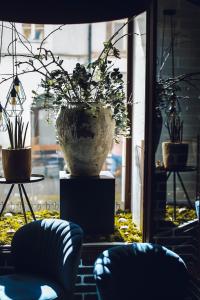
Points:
(88, 201)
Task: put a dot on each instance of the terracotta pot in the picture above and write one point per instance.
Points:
(85, 137)
(17, 164)
(175, 155)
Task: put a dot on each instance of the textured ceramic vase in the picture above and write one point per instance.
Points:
(17, 164)
(85, 136)
(175, 155)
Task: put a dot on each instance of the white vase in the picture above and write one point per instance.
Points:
(85, 136)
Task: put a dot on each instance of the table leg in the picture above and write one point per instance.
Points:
(7, 197)
(184, 189)
(174, 191)
(168, 175)
(29, 204)
(22, 201)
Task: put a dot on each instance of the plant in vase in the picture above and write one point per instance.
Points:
(169, 97)
(16, 159)
(90, 101)
(175, 151)
(169, 94)
(169, 101)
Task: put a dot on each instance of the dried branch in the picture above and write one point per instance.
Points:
(62, 69)
(105, 51)
(53, 31)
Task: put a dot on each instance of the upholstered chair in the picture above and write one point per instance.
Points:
(140, 271)
(46, 255)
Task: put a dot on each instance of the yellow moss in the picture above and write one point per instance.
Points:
(129, 234)
(183, 214)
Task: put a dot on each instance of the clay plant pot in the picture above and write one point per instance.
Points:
(175, 155)
(17, 164)
(85, 137)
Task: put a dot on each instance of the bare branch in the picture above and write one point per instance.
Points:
(22, 42)
(9, 45)
(64, 71)
(42, 42)
(121, 37)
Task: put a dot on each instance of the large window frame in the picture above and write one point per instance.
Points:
(149, 160)
(149, 157)
(149, 122)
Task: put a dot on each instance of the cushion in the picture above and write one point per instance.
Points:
(28, 287)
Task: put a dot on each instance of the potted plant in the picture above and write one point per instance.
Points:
(169, 88)
(169, 98)
(90, 101)
(168, 104)
(175, 151)
(16, 159)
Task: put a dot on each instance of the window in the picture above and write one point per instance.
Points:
(47, 158)
(33, 32)
(121, 44)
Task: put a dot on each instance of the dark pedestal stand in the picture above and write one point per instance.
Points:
(88, 201)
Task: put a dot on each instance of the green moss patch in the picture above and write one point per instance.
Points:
(125, 229)
(9, 223)
(183, 214)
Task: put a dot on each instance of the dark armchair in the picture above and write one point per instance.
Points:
(140, 271)
(46, 255)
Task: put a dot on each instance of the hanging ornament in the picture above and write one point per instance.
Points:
(13, 105)
(16, 95)
(19, 89)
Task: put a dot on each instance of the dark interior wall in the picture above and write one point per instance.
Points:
(187, 60)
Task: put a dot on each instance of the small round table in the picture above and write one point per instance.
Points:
(33, 178)
(177, 171)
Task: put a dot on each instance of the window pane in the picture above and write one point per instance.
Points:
(26, 30)
(39, 32)
(47, 157)
(114, 163)
(138, 117)
(120, 44)
(177, 187)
